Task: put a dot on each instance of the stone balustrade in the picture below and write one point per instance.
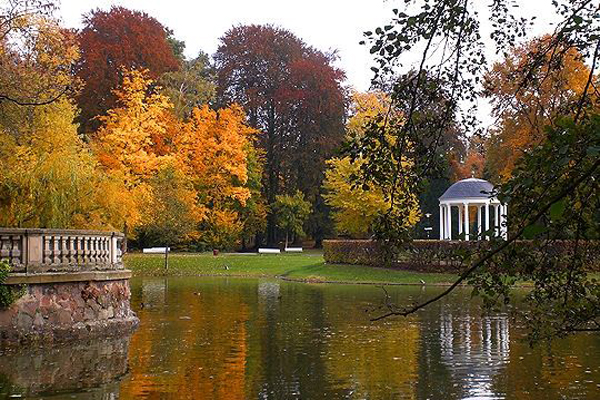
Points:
(73, 282)
(51, 250)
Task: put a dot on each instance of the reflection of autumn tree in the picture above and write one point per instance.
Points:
(216, 329)
(563, 369)
(378, 360)
(291, 343)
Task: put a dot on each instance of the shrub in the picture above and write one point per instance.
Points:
(446, 256)
(8, 294)
(359, 252)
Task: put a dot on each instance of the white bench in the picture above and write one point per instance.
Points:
(268, 251)
(155, 250)
(293, 249)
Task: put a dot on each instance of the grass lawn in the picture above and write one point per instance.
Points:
(307, 267)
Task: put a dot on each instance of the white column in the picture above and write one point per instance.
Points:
(449, 224)
(466, 221)
(503, 228)
(479, 209)
(441, 222)
(460, 220)
(496, 220)
(506, 222)
(487, 218)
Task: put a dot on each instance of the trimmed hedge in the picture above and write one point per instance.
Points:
(437, 255)
(357, 252)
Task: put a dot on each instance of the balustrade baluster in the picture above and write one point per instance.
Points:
(4, 252)
(56, 249)
(94, 250)
(107, 250)
(15, 250)
(88, 244)
(47, 252)
(71, 250)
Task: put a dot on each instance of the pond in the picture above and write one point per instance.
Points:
(228, 338)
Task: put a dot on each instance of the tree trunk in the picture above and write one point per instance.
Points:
(272, 167)
(124, 250)
(167, 258)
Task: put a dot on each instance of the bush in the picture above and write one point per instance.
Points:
(358, 252)
(8, 294)
(444, 256)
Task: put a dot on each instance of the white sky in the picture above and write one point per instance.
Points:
(323, 24)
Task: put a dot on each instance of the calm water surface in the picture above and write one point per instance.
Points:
(219, 338)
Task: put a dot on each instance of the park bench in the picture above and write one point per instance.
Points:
(155, 250)
(262, 250)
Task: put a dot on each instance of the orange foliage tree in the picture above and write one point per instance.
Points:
(213, 146)
(204, 161)
(522, 118)
(124, 144)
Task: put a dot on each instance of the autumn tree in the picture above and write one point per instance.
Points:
(36, 58)
(35, 54)
(213, 147)
(292, 94)
(50, 178)
(356, 207)
(124, 144)
(113, 40)
(253, 213)
(522, 119)
(173, 212)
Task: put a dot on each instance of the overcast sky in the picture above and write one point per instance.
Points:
(324, 24)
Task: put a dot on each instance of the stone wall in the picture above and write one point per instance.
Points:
(68, 310)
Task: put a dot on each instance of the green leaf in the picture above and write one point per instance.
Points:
(557, 209)
(532, 231)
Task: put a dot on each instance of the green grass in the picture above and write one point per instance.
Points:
(305, 267)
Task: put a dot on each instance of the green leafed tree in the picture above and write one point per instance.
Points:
(290, 213)
(190, 86)
(173, 215)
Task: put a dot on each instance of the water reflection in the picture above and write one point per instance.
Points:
(92, 369)
(205, 338)
(475, 350)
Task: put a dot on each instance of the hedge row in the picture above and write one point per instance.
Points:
(358, 252)
(440, 256)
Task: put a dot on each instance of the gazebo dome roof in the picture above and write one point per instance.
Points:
(468, 188)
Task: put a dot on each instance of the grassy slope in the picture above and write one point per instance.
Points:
(307, 266)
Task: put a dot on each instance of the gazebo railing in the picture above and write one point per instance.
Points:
(56, 250)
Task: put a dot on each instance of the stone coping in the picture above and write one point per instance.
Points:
(60, 277)
(72, 232)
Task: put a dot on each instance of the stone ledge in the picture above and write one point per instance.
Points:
(60, 277)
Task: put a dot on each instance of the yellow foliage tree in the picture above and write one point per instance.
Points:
(355, 208)
(125, 144)
(48, 175)
(50, 178)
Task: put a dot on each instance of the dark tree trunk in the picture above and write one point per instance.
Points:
(167, 258)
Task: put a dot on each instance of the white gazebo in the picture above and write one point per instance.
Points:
(476, 193)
